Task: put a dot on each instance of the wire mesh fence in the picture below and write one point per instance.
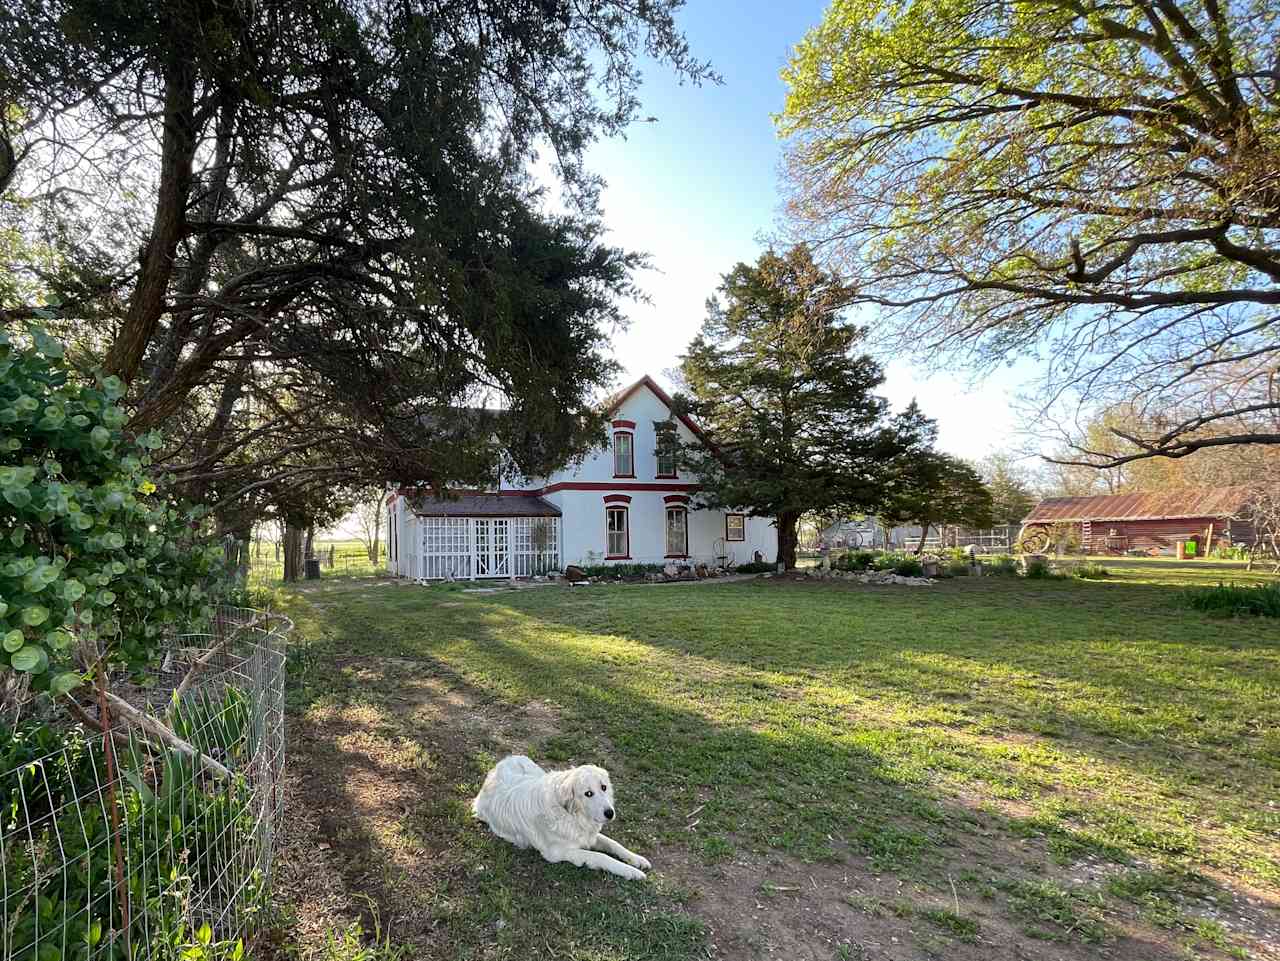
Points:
(147, 831)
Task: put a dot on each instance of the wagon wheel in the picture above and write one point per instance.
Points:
(855, 539)
(1034, 540)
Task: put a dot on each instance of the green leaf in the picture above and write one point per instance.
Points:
(34, 616)
(72, 591)
(100, 436)
(13, 641)
(31, 659)
(64, 683)
(19, 497)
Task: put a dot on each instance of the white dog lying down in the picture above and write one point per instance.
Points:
(559, 813)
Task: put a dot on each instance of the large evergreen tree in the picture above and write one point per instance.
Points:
(307, 233)
(777, 378)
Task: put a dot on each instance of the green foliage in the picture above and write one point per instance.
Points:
(1039, 569)
(89, 550)
(1009, 487)
(958, 568)
(909, 567)
(962, 161)
(755, 567)
(613, 571)
(854, 561)
(927, 488)
(1235, 600)
(1091, 571)
(779, 378)
(1002, 565)
(177, 832)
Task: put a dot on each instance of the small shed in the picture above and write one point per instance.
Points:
(1144, 522)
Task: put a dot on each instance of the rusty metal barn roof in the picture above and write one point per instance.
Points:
(1166, 505)
(484, 505)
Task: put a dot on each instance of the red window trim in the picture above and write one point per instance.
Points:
(611, 506)
(630, 433)
(617, 498)
(626, 424)
(675, 506)
(735, 540)
(676, 499)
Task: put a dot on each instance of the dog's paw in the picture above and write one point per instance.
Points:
(641, 862)
(632, 874)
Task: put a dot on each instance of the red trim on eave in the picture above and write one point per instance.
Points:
(628, 424)
(676, 499)
(662, 395)
(617, 498)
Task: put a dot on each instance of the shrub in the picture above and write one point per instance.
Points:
(1038, 569)
(1091, 571)
(1003, 565)
(1235, 600)
(862, 560)
(90, 553)
(620, 570)
(888, 560)
(754, 567)
(958, 569)
(908, 567)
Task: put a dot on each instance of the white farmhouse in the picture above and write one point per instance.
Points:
(621, 505)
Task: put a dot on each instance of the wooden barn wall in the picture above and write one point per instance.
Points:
(1164, 534)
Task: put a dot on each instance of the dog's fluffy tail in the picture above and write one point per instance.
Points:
(510, 768)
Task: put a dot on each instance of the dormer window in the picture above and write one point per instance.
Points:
(624, 454)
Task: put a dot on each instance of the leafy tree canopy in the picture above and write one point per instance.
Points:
(1095, 185)
(1009, 487)
(297, 228)
(776, 377)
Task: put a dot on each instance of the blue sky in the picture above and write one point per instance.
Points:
(697, 188)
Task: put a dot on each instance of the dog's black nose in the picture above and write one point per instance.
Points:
(608, 814)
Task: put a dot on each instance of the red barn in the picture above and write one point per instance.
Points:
(1148, 523)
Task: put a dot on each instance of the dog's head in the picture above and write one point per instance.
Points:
(587, 791)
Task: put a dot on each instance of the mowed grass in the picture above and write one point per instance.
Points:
(990, 732)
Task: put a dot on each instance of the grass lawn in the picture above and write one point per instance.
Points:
(989, 767)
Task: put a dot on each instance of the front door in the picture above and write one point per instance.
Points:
(493, 547)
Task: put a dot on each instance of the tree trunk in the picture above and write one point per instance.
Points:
(924, 536)
(173, 190)
(310, 545)
(292, 553)
(377, 531)
(788, 538)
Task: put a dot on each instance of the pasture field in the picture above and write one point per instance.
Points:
(989, 768)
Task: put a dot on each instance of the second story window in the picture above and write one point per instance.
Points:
(666, 461)
(624, 464)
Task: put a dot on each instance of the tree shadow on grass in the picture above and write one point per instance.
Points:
(763, 792)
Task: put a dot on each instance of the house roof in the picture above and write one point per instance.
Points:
(618, 399)
(1165, 505)
(483, 505)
